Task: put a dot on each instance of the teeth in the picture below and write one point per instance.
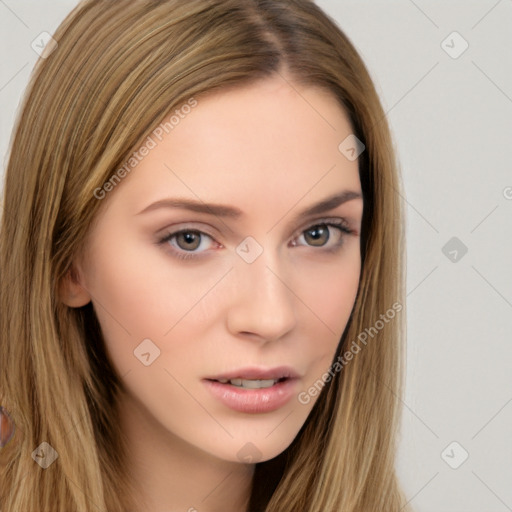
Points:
(253, 384)
(250, 383)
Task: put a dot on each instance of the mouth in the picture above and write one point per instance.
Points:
(256, 378)
(251, 383)
(254, 390)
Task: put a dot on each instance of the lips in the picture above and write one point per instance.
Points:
(254, 390)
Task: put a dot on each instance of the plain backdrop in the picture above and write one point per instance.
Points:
(443, 70)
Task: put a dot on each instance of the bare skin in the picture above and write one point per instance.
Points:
(270, 150)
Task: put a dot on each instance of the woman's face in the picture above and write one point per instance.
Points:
(251, 288)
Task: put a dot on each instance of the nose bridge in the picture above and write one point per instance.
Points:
(263, 304)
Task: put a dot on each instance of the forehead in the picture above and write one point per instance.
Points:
(272, 141)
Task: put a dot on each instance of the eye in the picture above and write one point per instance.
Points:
(186, 242)
(318, 235)
(192, 243)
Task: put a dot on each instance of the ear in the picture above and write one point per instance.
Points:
(71, 292)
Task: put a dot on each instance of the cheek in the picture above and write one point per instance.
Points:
(329, 295)
(124, 295)
(330, 291)
(139, 292)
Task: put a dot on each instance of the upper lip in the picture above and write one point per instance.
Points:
(254, 372)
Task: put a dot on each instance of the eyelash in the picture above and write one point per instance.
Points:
(339, 224)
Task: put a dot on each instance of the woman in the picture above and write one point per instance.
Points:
(201, 267)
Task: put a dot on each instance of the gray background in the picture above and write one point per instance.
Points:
(451, 118)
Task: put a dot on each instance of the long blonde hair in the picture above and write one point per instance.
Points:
(119, 68)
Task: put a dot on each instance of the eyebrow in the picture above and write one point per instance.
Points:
(231, 212)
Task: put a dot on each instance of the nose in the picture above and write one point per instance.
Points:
(262, 305)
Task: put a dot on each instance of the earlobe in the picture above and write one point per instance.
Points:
(71, 292)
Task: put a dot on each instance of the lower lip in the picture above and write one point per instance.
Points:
(253, 400)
